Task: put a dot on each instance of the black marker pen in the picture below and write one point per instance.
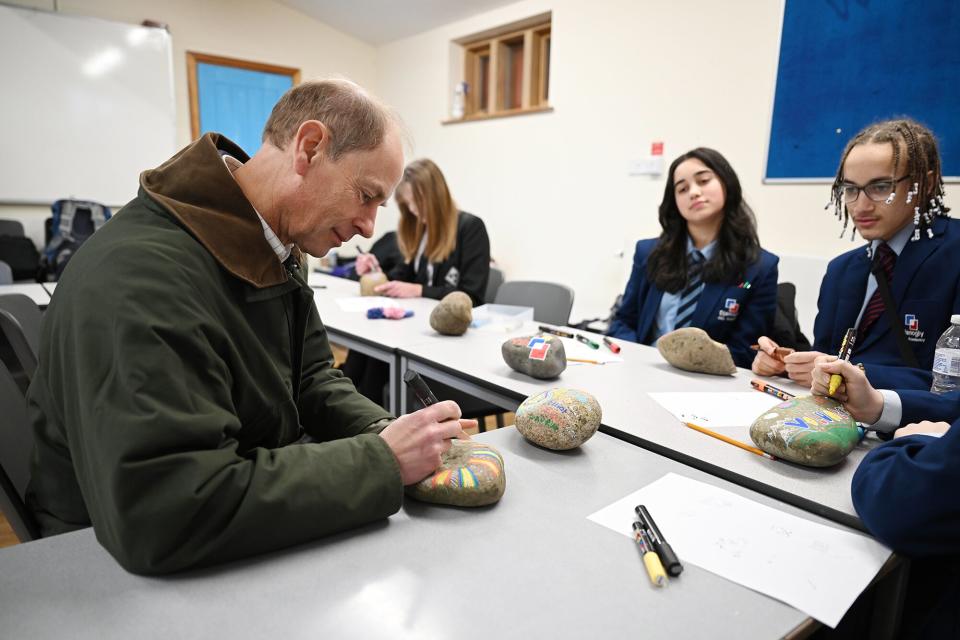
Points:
(667, 556)
(419, 388)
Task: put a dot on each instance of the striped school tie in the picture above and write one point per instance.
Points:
(887, 259)
(691, 294)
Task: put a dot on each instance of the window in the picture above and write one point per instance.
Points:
(507, 70)
(234, 97)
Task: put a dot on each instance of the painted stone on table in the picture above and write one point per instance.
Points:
(369, 281)
(453, 314)
(810, 430)
(470, 475)
(692, 349)
(559, 418)
(539, 356)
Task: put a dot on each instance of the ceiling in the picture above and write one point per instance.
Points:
(380, 21)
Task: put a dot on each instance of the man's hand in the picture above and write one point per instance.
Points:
(859, 398)
(400, 289)
(922, 427)
(799, 366)
(417, 439)
(767, 362)
(365, 263)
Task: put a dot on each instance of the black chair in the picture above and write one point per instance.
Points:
(16, 444)
(11, 228)
(786, 328)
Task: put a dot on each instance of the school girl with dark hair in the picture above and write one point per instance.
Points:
(706, 269)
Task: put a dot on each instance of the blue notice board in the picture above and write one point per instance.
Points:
(847, 63)
(237, 102)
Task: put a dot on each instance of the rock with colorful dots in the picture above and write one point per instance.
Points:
(810, 430)
(541, 356)
(470, 475)
(559, 418)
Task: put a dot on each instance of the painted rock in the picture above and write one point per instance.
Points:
(470, 475)
(453, 314)
(810, 430)
(691, 349)
(540, 356)
(559, 418)
(370, 280)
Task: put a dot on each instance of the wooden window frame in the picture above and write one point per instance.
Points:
(533, 87)
(194, 58)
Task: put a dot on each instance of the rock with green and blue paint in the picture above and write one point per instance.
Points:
(810, 430)
(559, 418)
(470, 475)
(541, 356)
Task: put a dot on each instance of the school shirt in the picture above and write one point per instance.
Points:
(733, 313)
(925, 289)
(670, 303)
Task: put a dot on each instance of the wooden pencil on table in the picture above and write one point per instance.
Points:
(729, 440)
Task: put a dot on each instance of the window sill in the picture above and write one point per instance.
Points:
(499, 114)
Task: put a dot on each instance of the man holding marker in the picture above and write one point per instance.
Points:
(182, 359)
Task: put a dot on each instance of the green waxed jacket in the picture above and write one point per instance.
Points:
(180, 363)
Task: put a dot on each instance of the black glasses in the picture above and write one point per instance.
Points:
(878, 190)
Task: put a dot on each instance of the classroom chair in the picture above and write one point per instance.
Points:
(11, 228)
(493, 285)
(16, 443)
(19, 336)
(551, 302)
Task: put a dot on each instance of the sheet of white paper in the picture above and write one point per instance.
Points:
(362, 303)
(576, 349)
(713, 409)
(816, 568)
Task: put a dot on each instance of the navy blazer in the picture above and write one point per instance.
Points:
(920, 405)
(728, 312)
(926, 289)
(905, 491)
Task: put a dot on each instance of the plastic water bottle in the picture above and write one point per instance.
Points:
(946, 361)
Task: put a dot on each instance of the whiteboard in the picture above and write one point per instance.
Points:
(85, 106)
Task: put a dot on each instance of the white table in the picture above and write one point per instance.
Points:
(34, 291)
(473, 363)
(531, 566)
(378, 339)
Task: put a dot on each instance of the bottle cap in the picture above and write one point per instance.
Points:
(955, 318)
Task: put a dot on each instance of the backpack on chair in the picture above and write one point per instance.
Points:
(72, 223)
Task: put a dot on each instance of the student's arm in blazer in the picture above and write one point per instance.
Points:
(756, 319)
(917, 405)
(473, 249)
(624, 325)
(905, 493)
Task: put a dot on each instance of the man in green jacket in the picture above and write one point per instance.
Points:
(182, 359)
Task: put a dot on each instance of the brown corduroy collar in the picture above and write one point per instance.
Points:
(196, 187)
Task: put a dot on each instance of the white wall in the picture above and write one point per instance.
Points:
(553, 189)
(258, 30)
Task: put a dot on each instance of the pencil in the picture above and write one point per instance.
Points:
(728, 440)
(585, 361)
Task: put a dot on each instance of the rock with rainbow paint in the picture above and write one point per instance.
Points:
(810, 430)
(541, 356)
(559, 418)
(470, 475)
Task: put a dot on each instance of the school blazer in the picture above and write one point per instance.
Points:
(918, 405)
(926, 290)
(729, 312)
(905, 493)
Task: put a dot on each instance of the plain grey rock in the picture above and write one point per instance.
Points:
(453, 314)
(692, 349)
